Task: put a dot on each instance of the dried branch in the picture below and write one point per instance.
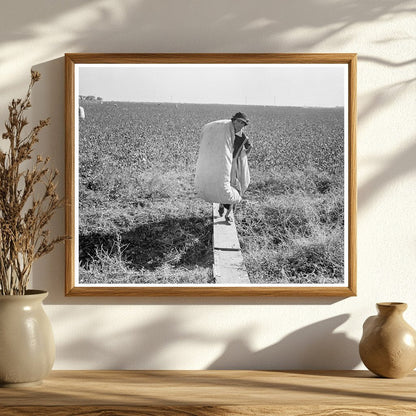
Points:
(23, 218)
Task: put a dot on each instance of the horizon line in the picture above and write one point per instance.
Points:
(193, 103)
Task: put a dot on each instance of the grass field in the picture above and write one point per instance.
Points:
(141, 222)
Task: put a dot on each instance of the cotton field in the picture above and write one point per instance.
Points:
(141, 222)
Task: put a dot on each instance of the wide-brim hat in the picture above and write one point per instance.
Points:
(242, 117)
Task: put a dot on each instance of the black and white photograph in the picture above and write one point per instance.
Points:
(233, 175)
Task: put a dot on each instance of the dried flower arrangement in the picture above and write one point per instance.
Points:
(28, 200)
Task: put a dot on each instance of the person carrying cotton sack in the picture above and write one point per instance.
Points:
(222, 172)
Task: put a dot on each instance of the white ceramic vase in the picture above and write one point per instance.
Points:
(27, 346)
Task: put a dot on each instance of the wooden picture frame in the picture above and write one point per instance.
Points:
(75, 65)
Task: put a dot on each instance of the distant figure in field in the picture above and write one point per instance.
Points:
(222, 173)
(81, 113)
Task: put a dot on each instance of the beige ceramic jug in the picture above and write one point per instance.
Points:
(388, 345)
(27, 347)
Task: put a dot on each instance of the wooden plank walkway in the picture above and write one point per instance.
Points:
(228, 261)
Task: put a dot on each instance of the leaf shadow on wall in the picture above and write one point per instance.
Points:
(396, 167)
(316, 346)
(141, 347)
(142, 20)
(401, 164)
(236, 28)
(106, 26)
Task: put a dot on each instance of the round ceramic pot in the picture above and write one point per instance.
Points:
(27, 347)
(388, 345)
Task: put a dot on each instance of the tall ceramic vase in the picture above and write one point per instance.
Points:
(388, 345)
(27, 347)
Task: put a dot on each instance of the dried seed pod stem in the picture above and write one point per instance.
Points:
(28, 199)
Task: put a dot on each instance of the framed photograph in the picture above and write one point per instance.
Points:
(211, 174)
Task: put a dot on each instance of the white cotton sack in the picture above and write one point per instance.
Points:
(213, 168)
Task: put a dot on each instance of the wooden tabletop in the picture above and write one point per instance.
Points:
(202, 393)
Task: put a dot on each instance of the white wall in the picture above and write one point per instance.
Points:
(201, 333)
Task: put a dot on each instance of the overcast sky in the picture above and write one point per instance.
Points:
(315, 85)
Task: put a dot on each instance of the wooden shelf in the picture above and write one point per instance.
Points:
(203, 393)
